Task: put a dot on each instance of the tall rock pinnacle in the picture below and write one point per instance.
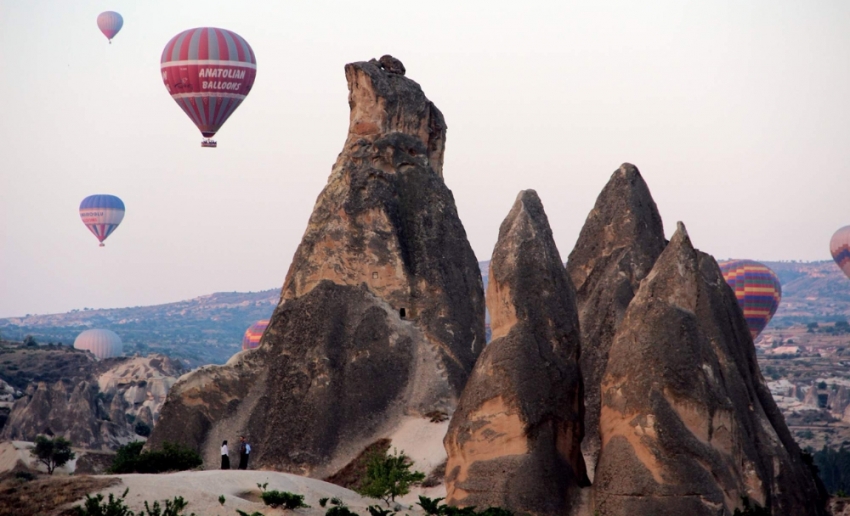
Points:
(619, 243)
(382, 310)
(686, 424)
(514, 440)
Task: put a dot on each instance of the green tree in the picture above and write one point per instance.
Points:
(53, 453)
(29, 341)
(388, 476)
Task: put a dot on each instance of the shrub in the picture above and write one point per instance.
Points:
(172, 457)
(432, 507)
(287, 500)
(53, 453)
(243, 513)
(338, 509)
(375, 510)
(388, 476)
(24, 476)
(172, 508)
(95, 506)
(221, 499)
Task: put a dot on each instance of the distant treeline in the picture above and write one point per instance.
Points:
(834, 469)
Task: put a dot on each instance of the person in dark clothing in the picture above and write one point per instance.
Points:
(225, 456)
(244, 452)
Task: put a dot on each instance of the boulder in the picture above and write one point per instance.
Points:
(381, 313)
(687, 424)
(515, 439)
(619, 243)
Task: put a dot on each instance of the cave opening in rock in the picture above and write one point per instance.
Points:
(401, 313)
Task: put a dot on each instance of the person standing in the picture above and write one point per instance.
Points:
(225, 456)
(244, 452)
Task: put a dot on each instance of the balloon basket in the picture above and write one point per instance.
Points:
(102, 245)
(209, 143)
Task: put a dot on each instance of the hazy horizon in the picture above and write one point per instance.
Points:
(735, 115)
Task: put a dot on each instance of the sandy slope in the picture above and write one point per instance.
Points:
(202, 489)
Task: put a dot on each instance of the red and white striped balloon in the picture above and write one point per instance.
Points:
(208, 72)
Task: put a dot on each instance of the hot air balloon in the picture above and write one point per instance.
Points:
(839, 246)
(101, 343)
(252, 335)
(109, 23)
(102, 214)
(758, 291)
(208, 72)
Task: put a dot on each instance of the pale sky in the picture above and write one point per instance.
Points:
(735, 112)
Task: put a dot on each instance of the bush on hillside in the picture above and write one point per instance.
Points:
(285, 499)
(172, 457)
(389, 476)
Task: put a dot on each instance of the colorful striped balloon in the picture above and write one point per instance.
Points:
(208, 72)
(758, 291)
(839, 246)
(109, 23)
(102, 214)
(252, 336)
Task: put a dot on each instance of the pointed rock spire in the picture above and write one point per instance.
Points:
(514, 440)
(382, 311)
(619, 243)
(683, 426)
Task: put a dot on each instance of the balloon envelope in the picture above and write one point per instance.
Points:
(101, 343)
(109, 23)
(101, 214)
(758, 291)
(252, 336)
(208, 72)
(839, 246)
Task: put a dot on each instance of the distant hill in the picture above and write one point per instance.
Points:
(811, 291)
(209, 329)
(204, 330)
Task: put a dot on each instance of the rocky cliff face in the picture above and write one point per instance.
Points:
(619, 243)
(514, 440)
(381, 313)
(99, 412)
(687, 425)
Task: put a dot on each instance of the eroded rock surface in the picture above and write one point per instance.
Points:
(687, 424)
(619, 243)
(381, 312)
(515, 439)
(99, 412)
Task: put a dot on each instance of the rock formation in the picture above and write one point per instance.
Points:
(381, 313)
(619, 243)
(98, 412)
(687, 424)
(515, 439)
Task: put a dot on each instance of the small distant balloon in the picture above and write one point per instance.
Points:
(109, 23)
(208, 72)
(102, 213)
(758, 291)
(253, 334)
(839, 246)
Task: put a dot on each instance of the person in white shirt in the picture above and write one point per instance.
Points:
(225, 456)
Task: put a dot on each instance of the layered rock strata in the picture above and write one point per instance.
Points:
(381, 313)
(514, 441)
(687, 424)
(617, 247)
